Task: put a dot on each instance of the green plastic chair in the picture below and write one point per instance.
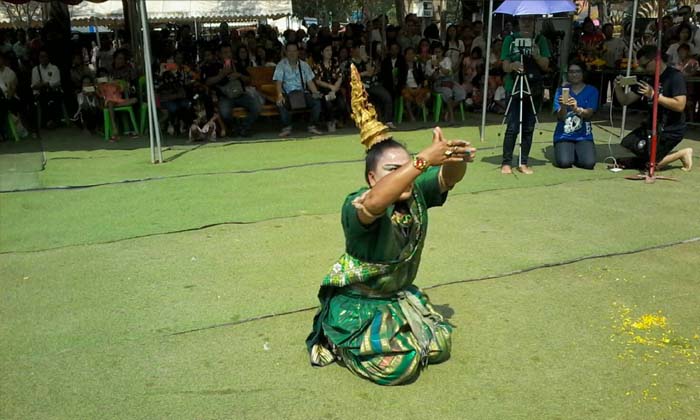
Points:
(127, 109)
(11, 126)
(400, 108)
(118, 110)
(437, 107)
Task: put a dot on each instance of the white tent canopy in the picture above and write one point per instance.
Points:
(187, 9)
(111, 11)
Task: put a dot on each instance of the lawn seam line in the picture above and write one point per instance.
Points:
(251, 222)
(451, 283)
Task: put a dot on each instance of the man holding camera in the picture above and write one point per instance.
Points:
(671, 123)
(527, 55)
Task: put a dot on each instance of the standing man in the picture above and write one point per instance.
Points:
(531, 63)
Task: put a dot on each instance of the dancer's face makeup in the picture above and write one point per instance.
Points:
(391, 160)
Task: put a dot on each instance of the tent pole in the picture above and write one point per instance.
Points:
(157, 153)
(97, 33)
(487, 62)
(629, 64)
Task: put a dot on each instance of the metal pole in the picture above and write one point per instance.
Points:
(655, 106)
(156, 153)
(629, 64)
(487, 61)
(97, 33)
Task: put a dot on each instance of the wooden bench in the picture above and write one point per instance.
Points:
(261, 80)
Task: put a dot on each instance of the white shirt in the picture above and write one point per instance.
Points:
(455, 51)
(7, 78)
(672, 52)
(410, 80)
(48, 74)
(614, 50)
(500, 94)
(479, 42)
(446, 63)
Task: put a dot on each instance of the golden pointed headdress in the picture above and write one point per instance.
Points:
(371, 130)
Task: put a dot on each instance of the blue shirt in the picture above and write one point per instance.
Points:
(575, 128)
(291, 77)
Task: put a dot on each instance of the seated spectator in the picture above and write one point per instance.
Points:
(20, 47)
(227, 77)
(472, 66)
(423, 51)
(261, 58)
(454, 47)
(329, 79)
(244, 60)
(415, 91)
(391, 68)
(203, 126)
(113, 95)
(46, 84)
(173, 97)
(573, 136)
(88, 112)
(439, 70)
(689, 67)
(685, 34)
(9, 102)
(104, 56)
(122, 68)
(78, 71)
(295, 79)
(369, 72)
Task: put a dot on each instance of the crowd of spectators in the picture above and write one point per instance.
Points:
(411, 63)
(598, 48)
(201, 81)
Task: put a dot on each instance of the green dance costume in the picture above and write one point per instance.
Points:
(372, 317)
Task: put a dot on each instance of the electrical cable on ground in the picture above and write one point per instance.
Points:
(450, 283)
(252, 222)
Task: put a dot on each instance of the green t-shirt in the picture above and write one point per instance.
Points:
(514, 56)
(382, 241)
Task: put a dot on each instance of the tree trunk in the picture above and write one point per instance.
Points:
(400, 11)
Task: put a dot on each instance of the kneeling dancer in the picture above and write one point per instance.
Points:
(372, 318)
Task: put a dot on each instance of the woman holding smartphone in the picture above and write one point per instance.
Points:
(575, 103)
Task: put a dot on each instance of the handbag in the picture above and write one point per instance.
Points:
(297, 99)
(233, 88)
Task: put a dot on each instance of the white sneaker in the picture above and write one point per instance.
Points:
(390, 125)
(286, 131)
(171, 130)
(314, 130)
(331, 127)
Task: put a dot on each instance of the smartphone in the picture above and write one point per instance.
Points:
(102, 80)
(89, 89)
(565, 94)
(629, 81)
(433, 57)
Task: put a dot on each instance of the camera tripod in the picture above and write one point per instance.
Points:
(521, 88)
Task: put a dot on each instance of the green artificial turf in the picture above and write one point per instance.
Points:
(539, 345)
(94, 283)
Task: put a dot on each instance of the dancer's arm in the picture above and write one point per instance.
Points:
(388, 189)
